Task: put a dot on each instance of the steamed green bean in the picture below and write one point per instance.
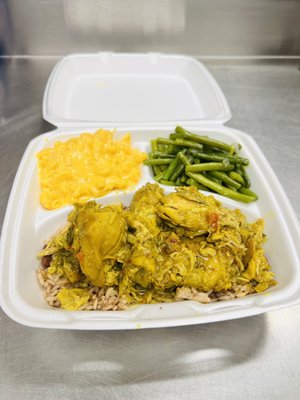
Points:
(186, 158)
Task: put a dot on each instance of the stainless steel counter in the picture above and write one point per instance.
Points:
(246, 358)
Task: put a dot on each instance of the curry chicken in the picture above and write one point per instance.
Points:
(157, 245)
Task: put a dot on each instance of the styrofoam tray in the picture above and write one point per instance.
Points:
(27, 225)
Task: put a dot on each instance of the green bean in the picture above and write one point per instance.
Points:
(171, 169)
(203, 139)
(211, 150)
(183, 178)
(161, 154)
(246, 178)
(230, 187)
(174, 136)
(154, 145)
(156, 169)
(159, 177)
(237, 177)
(163, 148)
(225, 178)
(166, 141)
(248, 192)
(158, 161)
(168, 183)
(212, 166)
(235, 148)
(214, 179)
(184, 159)
(169, 149)
(150, 155)
(192, 182)
(240, 170)
(220, 157)
(178, 171)
(220, 189)
(189, 143)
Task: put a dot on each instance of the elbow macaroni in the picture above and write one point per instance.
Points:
(87, 166)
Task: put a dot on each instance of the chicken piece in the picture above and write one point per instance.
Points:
(73, 299)
(146, 199)
(139, 272)
(194, 263)
(189, 212)
(233, 219)
(99, 238)
(175, 268)
(141, 216)
(66, 265)
(141, 265)
(259, 270)
(212, 272)
(62, 240)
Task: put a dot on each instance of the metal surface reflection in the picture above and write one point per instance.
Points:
(195, 27)
(89, 359)
(124, 17)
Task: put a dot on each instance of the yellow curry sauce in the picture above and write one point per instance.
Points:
(160, 243)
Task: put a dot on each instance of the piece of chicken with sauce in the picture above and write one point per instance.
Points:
(189, 212)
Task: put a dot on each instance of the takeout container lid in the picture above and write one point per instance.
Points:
(114, 89)
(147, 95)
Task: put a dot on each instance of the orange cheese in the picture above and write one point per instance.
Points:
(87, 166)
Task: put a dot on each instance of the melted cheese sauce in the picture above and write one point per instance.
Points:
(88, 166)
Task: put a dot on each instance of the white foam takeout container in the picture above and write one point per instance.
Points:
(147, 95)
